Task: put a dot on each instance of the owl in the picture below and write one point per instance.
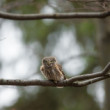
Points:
(51, 69)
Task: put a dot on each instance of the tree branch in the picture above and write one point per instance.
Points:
(54, 16)
(91, 81)
(77, 81)
(89, 76)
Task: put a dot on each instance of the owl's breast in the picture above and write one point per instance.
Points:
(53, 74)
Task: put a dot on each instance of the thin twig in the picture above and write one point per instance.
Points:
(15, 4)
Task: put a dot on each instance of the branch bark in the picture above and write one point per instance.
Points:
(77, 81)
(54, 16)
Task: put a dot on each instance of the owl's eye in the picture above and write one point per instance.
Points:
(44, 61)
(52, 61)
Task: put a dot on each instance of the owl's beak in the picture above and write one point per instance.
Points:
(50, 63)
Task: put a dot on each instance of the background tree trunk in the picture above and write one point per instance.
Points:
(103, 41)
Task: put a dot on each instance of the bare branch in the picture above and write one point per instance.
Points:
(54, 16)
(77, 81)
(90, 76)
(91, 81)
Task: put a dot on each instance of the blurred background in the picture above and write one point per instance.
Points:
(81, 46)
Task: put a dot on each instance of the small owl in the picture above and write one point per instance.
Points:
(51, 69)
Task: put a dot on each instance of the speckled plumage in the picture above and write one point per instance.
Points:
(51, 69)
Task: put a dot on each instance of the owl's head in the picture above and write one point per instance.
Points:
(48, 61)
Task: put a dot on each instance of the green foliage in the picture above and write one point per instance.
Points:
(86, 31)
(56, 99)
(86, 28)
(37, 31)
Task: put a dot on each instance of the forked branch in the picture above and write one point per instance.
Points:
(76, 81)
